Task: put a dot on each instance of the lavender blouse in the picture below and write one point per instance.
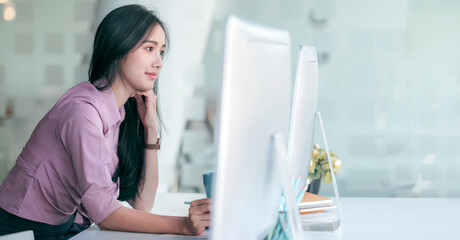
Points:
(68, 162)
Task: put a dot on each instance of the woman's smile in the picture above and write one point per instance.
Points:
(152, 75)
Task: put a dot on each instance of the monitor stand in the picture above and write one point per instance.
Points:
(326, 221)
(294, 227)
(330, 220)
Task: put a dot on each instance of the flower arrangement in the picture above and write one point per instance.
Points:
(319, 165)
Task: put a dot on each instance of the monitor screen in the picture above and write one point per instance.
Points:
(255, 103)
(304, 107)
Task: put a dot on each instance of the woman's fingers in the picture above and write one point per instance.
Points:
(201, 209)
(138, 99)
(200, 221)
(197, 222)
(200, 202)
(150, 97)
(200, 206)
(201, 217)
(200, 213)
(148, 93)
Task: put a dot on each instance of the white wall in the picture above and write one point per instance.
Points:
(41, 54)
(389, 87)
(389, 81)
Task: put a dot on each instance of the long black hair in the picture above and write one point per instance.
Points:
(118, 33)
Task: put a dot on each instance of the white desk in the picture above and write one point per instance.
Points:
(363, 218)
(165, 204)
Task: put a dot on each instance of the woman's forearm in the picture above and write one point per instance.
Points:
(132, 220)
(149, 185)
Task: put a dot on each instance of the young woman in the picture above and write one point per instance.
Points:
(99, 144)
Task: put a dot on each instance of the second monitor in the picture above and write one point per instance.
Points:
(304, 107)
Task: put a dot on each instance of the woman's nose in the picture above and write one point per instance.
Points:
(158, 62)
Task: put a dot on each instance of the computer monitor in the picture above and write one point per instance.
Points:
(304, 107)
(255, 103)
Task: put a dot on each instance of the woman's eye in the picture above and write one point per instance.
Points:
(149, 49)
(162, 53)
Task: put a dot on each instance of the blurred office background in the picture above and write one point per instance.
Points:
(388, 74)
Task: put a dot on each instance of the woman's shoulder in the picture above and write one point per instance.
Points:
(83, 98)
(83, 103)
(83, 92)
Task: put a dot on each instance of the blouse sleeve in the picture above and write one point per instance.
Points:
(82, 135)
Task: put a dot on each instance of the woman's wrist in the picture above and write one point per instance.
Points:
(185, 227)
(151, 135)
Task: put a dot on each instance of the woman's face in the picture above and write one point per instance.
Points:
(143, 64)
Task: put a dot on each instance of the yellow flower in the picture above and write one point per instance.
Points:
(315, 153)
(312, 167)
(319, 165)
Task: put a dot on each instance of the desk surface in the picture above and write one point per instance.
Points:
(363, 218)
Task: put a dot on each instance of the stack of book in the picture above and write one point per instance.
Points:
(312, 203)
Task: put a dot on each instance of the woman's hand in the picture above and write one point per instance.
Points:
(199, 216)
(147, 109)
